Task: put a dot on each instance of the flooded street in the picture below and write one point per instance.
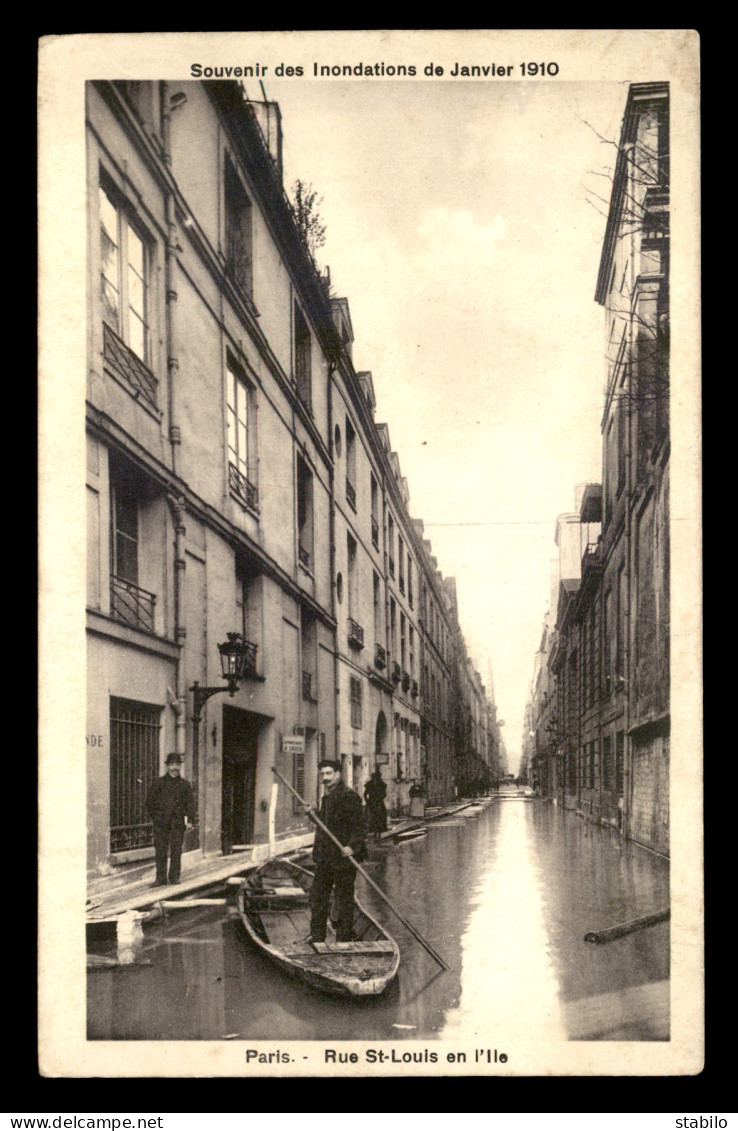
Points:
(506, 897)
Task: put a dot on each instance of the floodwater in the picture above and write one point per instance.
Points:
(505, 897)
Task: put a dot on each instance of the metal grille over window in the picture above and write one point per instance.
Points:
(131, 604)
(134, 764)
(355, 634)
(124, 363)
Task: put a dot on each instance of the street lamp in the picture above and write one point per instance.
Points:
(237, 659)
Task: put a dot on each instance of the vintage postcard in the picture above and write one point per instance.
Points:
(370, 366)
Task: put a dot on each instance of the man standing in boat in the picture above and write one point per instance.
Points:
(172, 808)
(341, 812)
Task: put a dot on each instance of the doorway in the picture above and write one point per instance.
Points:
(240, 751)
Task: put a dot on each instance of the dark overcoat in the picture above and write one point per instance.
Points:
(342, 812)
(170, 801)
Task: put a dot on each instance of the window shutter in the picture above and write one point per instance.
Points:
(299, 779)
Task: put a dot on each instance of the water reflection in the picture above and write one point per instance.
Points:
(505, 899)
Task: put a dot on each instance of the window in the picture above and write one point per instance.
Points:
(352, 578)
(375, 512)
(238, 249)
(607, 764)
(592, 659)
(309, 649)
(241, 441)
(304, 514)
(303, 359)
(410, 581)
(350, 463)
(249, 602)
(391, 544)
(125, 271)
(619, 760)
(377, 598)
(608, 641)
(134, 764)
(401, 563)
(355, 695)
(129, 603)
(622, 609)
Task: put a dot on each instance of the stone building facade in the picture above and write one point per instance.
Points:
(238, 487)
(613, 634)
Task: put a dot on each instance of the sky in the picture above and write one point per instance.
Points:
(464, 227)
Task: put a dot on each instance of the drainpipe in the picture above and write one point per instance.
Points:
(332, 366)
(178, 699)
(627, 751)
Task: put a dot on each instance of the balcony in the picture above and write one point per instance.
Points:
(131, 604)
(355, 634)
(380, 657)
(375, 533)
(242, 489)
(414, 689)
(405, 681)
(396, 672)
(351, 493)
(126, 365)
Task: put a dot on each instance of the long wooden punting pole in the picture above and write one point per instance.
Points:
(621, 929)
(413, 931)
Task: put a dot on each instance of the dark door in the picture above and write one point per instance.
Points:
(240, 745)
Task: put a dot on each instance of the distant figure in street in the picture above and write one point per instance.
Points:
(375, 792)
(172, 808)
(341, 812)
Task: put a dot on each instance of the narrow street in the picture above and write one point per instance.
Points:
(505, 896)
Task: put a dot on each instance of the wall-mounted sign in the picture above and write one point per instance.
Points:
(293, 744)
(382, 759)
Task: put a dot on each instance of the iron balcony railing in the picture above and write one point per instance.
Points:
(132, 604)
(126, 364)
(355, 634)
(240, 486)
(351, 493)
(380, 656)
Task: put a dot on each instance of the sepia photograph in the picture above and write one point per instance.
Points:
(364, 386)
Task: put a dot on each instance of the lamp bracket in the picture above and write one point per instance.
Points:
(200, 696)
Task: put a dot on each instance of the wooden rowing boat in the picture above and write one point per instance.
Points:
(273, 903)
